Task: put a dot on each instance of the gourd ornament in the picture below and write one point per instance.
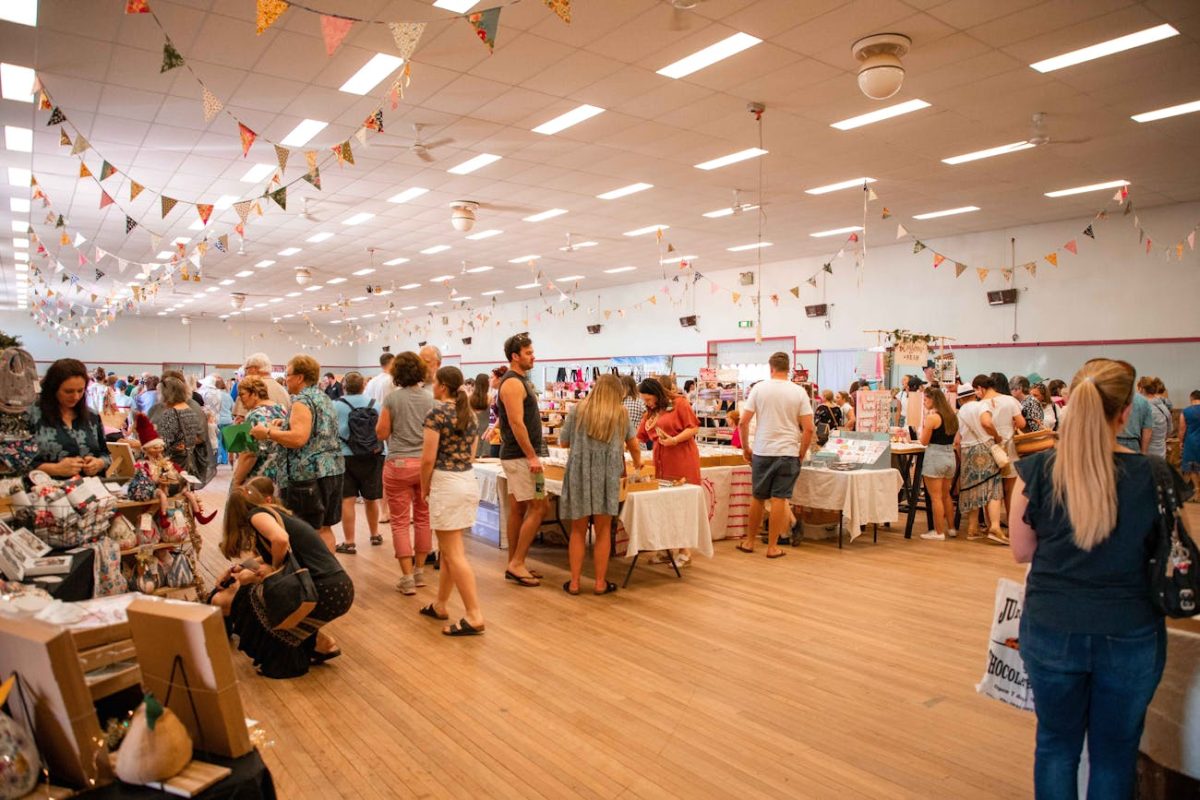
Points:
(157, 746)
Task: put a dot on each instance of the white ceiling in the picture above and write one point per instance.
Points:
(969, 59)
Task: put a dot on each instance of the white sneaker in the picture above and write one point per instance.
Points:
(934, 536)
(406, 585)
(682, 559)
(952, 533)
(419, 577)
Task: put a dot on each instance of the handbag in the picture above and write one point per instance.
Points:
(288, 594)
(1035, 441)
(1174, 559)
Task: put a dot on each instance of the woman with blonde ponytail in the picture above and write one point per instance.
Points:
(1092, 642)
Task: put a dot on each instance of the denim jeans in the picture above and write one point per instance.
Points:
(1095, 685)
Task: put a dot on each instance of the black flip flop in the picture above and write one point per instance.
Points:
(609, 588)
(744, 549)
(463, 628)
(321, 658)
(429, 611)
(376, 540)
(521, 579)
(567, 589)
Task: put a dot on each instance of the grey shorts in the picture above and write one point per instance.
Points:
(939, 461)
(773, 476)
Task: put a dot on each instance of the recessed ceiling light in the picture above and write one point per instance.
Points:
(227, 282)
(21, 244)
(246, 273)
(288, 316)
(732, 158)
(302, 133)
(579, 245)
(434, 303)
(441, 278)
(618, 270)
(408, 308)
(266, 262)
(880, 115)
(470, 165)
(836, 231)
(212, 289)
(710, 55)
(17, 139)
(1094, 187)
(197, 225)
(275, 300)
(225, 201)
(395, 262)
(564, 121)
(949, 212)
(676, 259)
(544, 215)
(1120, 44)
(289, 251)
(572, 278)
(492, 292)
(161, 314)
(726, 212)
(477, 270)
(408, 194)
(259, 305)
(647, 229)
(359, 218)
(743, 247)
(437, 248)
(19, 176)
(523, 259)
(371, 74)
(18, 204)
(363, 271)
(632, 188)
(313, 288)
(461, 298)
(181, 240)
(533, 285)
(1170, 111)
(1003, 149)
(457, 6)
(408, 286)
(292, 294)
(320, 237)
(22, 12)
(833, 187)
(21, 256)
(367, 316)
(164, 254)
(258, 173)
(384, 293)
(335, 281)
(485, 234)
(16, 83)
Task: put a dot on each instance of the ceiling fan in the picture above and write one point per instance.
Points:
(679, 20)
(419, 147)
(738, 207)
(306, 212)
(1039, 136)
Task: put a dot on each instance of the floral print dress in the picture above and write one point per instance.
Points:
(56, 441)
(270, 454)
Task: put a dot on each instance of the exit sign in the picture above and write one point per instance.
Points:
(745, 323)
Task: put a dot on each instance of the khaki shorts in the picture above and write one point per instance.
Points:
(1010, 471)
(520, 479)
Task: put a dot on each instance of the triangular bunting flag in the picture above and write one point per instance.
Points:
(562, 8)
(84, 172)
(171, 58)
(1179, 251)
(63, 139)
(248, 137)
(60, 222)
(812, 281)
(982, 273)
(268, 11)
(343, 152)
(65, 239)
(1089, 232)
(485, 24)
(375, 121)
(406, 35)
(1128, 208)
(107, 170)
(871, 196)
(82, 259)
(81, 144)
(852, 238)
(1052, 258)
(653, 299)
(44, 102)
(795, 290)
(361, 135)
(258, 208)
(1191, 240)
(212, 105)
(1141, 235)
(281, 154)
(314, 178)
(105, 200)
(886, 213)
(736, 296)
(959, 269)
(938, 258)
(1007, 272)
(1117, 197)
(828, 268)
(155, 241)
(167, 204)
(310, 156)
(80, 239)
(137, 7)
(99, 275)
(135, 189)
(901, 232)
(333, 31)
(130, 224)
(280, 197)
(918, 246)
(1031, 268)
(57, 117)
(223, 242)
(1071, 247)
(205, 211)
(1149, 243)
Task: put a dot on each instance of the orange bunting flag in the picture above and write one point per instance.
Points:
(886, 213)
(105, 200)
(334, 30)
(1071, 247)
(84, 172)
(736, 296)
(205, 211)
(344, 153)
(938, 258)
(982, 273)
(653, 299)
(64, 240)
(1179, 251)
(1052, 258)
(167, 204)
(1007, 272)
(44, 103)
(1031, 268)
(212, 105)
(137, 7)
(268, 11)
(63, 139)
(562, 8)
(248, 137)
(135, 189)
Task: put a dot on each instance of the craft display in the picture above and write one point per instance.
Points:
(67, 513)
(20, 765)
(155, 747)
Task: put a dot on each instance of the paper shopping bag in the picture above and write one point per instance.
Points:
(1005, 678)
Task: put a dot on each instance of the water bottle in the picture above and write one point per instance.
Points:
(539, 486)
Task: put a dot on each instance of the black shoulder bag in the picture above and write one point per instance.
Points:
(288, 594)
(1174, 559)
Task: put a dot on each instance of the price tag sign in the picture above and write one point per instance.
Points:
(912, 353)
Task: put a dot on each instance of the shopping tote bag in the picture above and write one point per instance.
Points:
(1004, 678)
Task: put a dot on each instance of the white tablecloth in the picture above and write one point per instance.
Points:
(1172, 733)
(864, 496)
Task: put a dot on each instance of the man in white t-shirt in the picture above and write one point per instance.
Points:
(784, 432)
(1001, 418)
(382, 384)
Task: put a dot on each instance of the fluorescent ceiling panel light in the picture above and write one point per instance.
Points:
(197, 225)
(880, 115)
(1003, 149)
(181, 240)
(732, 158)
(408, 286)
(16, 83)
(275, 300)
(164, 254)
(564, 121)
(363, 271)
(22, 12)
(320, 237)
(371, 74)
(21, 256)
(726, 212)
(266, 262)
(246, 273)
(529, 285)
(408, 308)
(523, 259)
(1094, 187)
(225, 201)
(1118, 45)
(18, 204)
(302, 133)
(17, 139)
(259, 173)
(212, 289)
(289, 251)
(485, 234)
(21, 244)
(1171, 111)
(335, 281)
(461, 298)
(579, 245)
(359, 218)
(632, 188)
(288, 316)
(19, 176)
(647, 229)
(434, 303)
(545, 215)
(853, 183)
(743, 247)
(710, 55)
(472, 164)
(492, 292)
(441, 278)
(949, 212)
(836, 231)
(457, 6)
(676, 259)
(437, 248)
(384, 293)
(227, 282)
(619, 270)
(395, 262)
(19, 226)
(292, 294)
(477, 270)
(313, 288)
(572, 278)
(408, 194)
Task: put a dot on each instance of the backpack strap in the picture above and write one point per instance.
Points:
(347, 402)
(371, 403)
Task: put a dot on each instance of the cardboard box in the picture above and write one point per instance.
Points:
(163, 629)
(64, 720)
(554, 472)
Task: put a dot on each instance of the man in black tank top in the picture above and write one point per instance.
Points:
(520, 450)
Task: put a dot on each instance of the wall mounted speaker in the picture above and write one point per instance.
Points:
(1004, 297)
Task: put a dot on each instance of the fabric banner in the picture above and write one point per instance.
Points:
(267, 12)
(406, 35)
(333, 31)
(485, 24)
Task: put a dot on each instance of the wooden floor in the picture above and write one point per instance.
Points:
(823, 674)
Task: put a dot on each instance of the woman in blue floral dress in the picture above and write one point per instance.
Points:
(69, 437)
(261, 410)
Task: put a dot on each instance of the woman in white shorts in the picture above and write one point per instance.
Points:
(938, 430)
(448, 483)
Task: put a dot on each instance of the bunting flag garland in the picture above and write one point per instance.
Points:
(314, 178)
(375, 121)
(918, 246)
(1089, 232)
(281, 155)
(84, 172)
(828, 268)
(560, 7)
(167, 204)
(135, 189)
(60, 223)
(1007, 272)
(243, 209)
(485, 24)
(205, 211)
(343, 152)
(959, 269)
(982, 273)
(938, 258)
(248, 137)
(333, 31)
(280, 197)
(267, 12)
(107, 170)
(105, 200)
(795, 290)
(1031, 268)
(130, 224)
(137, 7)
(212, 105)
(901, 232)
(63, 139)
(1071, 247)
(57, 117)
(1052, 258)
(406, 35)
(171, 58)
(812, 281)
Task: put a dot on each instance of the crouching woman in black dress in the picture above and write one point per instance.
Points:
(261, 531)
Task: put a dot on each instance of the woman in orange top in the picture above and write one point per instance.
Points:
(671, 425)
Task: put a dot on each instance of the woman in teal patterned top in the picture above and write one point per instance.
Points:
(311, 468)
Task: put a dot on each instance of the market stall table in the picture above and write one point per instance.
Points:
(1171, 738)
(251, 780)
(909, 458)
(862, 496)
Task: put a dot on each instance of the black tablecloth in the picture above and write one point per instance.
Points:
(78, 584)
(251, 780)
